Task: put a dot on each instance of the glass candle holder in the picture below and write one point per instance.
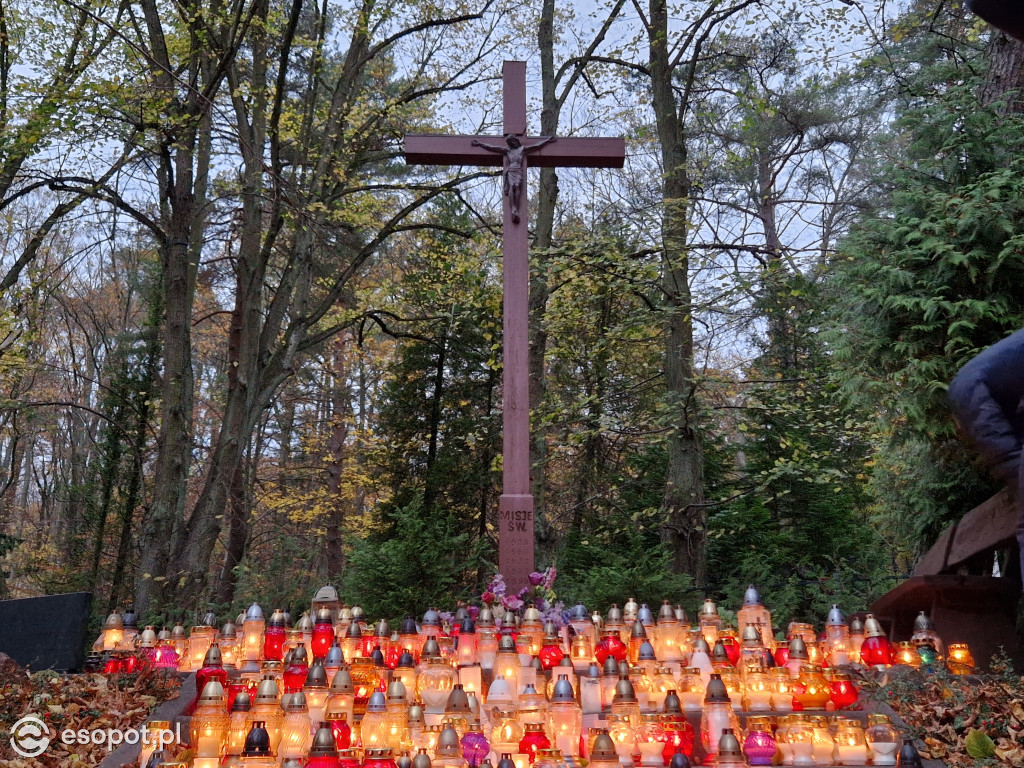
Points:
(679, 736)
(851, 744)
(906, 653)
(883, 739)
(506, 733)
(812, 690)
(757, 692)
(800, 738)
(759, 745)
(623, 735)
(533, 740)
(650, 740)
(844, 692)
(959, 659)
(823, 742)
(691, 689)
(782, 689)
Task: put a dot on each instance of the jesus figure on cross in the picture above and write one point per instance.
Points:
(515, 166)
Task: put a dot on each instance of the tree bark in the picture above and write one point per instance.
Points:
(183, 175)
(544, 226)
(238, 535)
(1005, 80)
(340, 413)
(683, 512)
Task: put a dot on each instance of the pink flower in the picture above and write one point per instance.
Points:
(536, 578)
(511, 602)
(549, 577)
(473, 612)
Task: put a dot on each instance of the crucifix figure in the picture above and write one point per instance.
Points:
(515, 166)
(515, 508)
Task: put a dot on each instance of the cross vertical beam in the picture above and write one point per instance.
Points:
(515, 507)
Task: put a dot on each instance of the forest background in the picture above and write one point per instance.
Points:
(245, 350)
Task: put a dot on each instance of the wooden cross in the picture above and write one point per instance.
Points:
(515, 508)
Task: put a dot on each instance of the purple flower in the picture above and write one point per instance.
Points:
(473, 612)
(536, 578)
(497, 585)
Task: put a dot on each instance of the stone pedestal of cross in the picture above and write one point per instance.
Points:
(515, 508)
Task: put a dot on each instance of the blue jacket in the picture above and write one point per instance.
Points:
(986, 397)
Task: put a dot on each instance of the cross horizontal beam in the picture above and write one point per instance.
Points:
(571, 152)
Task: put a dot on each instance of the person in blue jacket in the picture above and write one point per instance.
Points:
(987, 399)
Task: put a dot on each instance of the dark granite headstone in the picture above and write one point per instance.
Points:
(46, 632)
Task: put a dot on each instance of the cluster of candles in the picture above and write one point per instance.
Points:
(332, 691)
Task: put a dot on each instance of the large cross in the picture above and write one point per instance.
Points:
(515, 508)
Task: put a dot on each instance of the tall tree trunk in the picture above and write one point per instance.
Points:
(434, 427)
(543, 236)
(340, 413)
(1005, 79)
(781, 343)
(195, 542)
(183, 176)
(683, 512)
(238, 534)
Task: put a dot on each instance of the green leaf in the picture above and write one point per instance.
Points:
(979, 745)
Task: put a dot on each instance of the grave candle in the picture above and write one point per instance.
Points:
(295, 731)
(851, 746)
(709, 621)
(650, 740)
(323, 634)
(960, 662)
(373, 728)
(759, 745)
(267, 711)
(466, 652)
(239, 723)
(257, 752)
(155, 728)
(844, 692)
(623, 736)
(487, 638)
(718, 715)
(875, 651)
(603, 753)
(668, 646)
(274, 637)
(471, 677)
(757, 693)
(323, 752)
(506, 733)
(590, 691)
(506, 663)
(316, 691)
(565, 718)
(691, 689)
(209, 723)
(883, 739)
